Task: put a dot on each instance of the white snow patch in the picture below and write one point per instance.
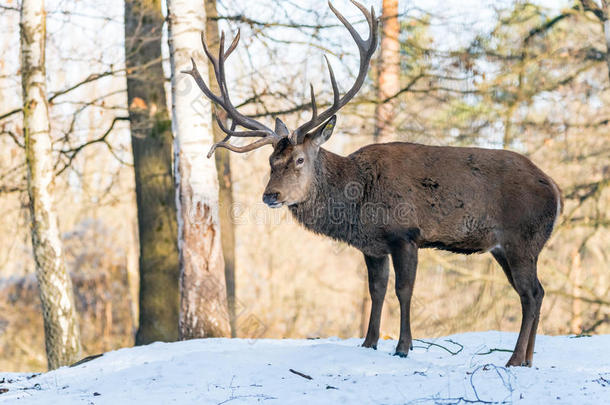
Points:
(566, 370)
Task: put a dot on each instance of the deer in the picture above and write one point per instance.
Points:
(392, 199)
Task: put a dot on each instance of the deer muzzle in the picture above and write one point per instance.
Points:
(271, 199)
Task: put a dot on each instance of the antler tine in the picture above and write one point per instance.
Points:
(207, 52)
(370, 16)
(241, 149)
(233, 44)
(220, 75)
(231, 132)
(201, 83)
(218, 144)
(366, 48)
(346, 23)
(314, 107)
(226, 138)
(333, 83)
(238, 134)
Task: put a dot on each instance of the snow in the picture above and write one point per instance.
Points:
(567, 370)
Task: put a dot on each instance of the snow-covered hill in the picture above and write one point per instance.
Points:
(461, 368)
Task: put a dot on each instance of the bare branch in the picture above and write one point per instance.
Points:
(72, 152)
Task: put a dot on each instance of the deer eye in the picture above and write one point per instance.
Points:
(300, 161)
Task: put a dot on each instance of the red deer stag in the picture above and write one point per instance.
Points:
(395, 198)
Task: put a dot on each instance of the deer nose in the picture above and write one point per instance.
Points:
(270, 198)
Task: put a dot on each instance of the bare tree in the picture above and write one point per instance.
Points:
(62, 338)
(388, 71)
(225, 183)
(151, 140)
(203, 304)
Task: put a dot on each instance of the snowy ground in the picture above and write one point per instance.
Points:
(566, 370)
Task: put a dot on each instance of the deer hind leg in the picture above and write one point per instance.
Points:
(378, 272)
(529, 355)
(520, 268)
(404, 257)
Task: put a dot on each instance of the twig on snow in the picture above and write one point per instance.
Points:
(490, 351)
(301, 374)
(453, 353)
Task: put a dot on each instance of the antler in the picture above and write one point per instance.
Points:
(366, 49)
(255, 128)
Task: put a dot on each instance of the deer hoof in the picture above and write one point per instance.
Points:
(369, 345)
(403, 347)
(513, 362)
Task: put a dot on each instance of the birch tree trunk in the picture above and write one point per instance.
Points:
(151, 140)
(203, 304)
(389, 72)
(223, 164)
(62, 339)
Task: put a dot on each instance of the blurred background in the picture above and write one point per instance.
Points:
(526, 76)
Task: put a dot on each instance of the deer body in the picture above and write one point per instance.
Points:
(393, 199)
(465, 200)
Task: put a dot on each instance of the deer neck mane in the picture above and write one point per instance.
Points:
(335, 197)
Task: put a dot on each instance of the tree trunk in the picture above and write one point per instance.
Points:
(223, 165)
(576, 321)
(606, 22)
(203, 304)
(62, 337)
(388, 71)
(151, 140)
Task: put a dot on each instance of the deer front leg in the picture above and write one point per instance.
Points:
(404, 258)
(378, 271)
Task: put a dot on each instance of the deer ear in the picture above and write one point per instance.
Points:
(324, 132)
(280, 128)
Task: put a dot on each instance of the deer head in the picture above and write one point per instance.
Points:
(295, 153)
